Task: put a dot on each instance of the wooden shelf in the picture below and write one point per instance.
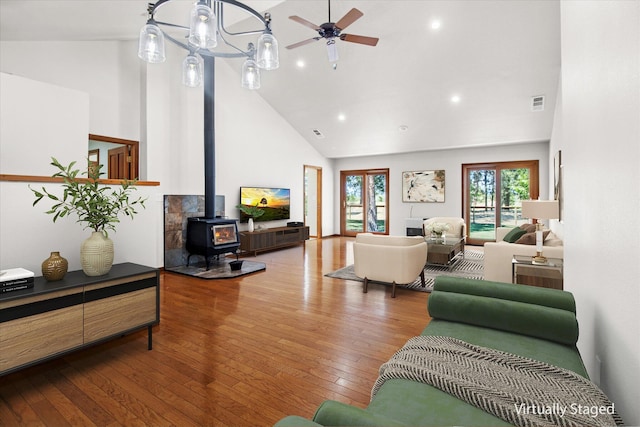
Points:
(54, 318)
(272, 238)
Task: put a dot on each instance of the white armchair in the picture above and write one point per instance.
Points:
(389, 259)
(457, 226)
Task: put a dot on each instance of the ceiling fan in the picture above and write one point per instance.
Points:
(332, 31)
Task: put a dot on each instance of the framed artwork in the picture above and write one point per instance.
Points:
(423, 186)
(557, 183)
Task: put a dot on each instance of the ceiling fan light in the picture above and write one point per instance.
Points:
(202, 28)
(250, 75)
(192, 71)
(332, 50)
(151, 44)
(267, 52)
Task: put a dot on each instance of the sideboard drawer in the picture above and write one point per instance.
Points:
(40, 336)
(111, 316)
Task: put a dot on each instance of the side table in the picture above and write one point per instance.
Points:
(525, 272)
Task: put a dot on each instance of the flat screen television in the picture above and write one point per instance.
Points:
(274, 201)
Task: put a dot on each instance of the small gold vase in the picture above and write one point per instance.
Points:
(55, 267)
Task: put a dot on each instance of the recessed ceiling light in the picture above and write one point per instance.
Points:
(436, 24)
(300, 63)
(455, 99)
(342, 117)
(403, 128)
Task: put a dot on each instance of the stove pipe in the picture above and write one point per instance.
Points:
(209, 138)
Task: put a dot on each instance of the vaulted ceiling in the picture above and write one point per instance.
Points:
(398, 96)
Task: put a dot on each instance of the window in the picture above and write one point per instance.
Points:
(365, 201)
(492, 195)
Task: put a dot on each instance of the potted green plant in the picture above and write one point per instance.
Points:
(252, 211)
(97, 207)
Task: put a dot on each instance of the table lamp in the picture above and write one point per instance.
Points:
(540, 210)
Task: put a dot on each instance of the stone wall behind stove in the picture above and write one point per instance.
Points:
(177, 210)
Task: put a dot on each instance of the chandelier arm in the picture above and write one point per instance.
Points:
(245, 7)
(168, 24)
(220, 17)
(178, 42)
(204, 52)
(154, 6)
(240, 51)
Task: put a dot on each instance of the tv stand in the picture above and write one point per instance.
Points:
(272, 238)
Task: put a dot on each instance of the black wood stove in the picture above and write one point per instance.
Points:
(212, 237)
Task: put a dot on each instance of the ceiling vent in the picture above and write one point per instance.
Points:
(318, 134)
(537, 103)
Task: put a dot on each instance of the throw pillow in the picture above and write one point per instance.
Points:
(527, 239)
(530, 238)
(514, 235)
(552, 240)
(528, 228)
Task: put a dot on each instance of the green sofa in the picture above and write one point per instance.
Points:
(533, 322)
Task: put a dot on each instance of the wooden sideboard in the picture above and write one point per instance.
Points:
(55, 318)
(272, 238)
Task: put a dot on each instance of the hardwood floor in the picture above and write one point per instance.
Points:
(234, 352)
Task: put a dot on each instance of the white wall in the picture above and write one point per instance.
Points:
(106, 71)
(600, 142)
(34, 118)
(449, 160)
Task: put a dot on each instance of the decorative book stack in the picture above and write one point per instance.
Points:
(15, 279)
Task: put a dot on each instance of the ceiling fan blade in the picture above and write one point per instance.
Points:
(302, 43)
(370, 41)
(349, 18)
(304, 22)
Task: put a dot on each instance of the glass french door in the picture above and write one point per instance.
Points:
(493, 194)
(364, 201)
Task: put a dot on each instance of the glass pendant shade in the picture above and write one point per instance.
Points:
(202, 28)
(332, 50)
(151, 44)
(192, 71)
(250, 75)
(267, 52)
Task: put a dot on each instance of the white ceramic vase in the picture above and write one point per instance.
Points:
(96, 254)
(250, 224)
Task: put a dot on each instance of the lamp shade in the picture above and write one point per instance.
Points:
(191, 71)
(202, 28)
(540, 209)
(250, 75)
(267, 52)
(151, 44)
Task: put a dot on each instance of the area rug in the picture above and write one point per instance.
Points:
(218, 269)
(471, 267)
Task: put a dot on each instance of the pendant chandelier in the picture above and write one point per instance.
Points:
(205, 33)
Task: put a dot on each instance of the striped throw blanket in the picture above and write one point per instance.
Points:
(521, 391)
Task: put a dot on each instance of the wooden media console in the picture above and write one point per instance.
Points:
(272, 238)
(55, 318)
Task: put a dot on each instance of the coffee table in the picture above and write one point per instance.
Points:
(447, 251)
